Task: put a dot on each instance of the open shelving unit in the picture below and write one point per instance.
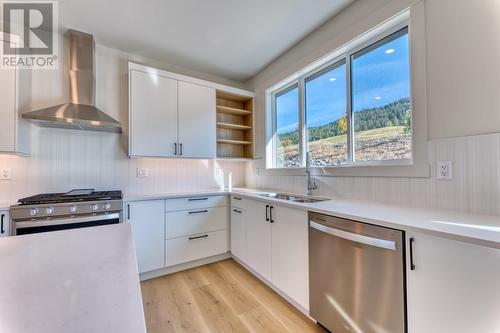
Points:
(235, 137)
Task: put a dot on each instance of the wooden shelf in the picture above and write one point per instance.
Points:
(235, 111)
(233, 126)
(234, 142)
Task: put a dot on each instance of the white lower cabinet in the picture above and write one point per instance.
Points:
(148, 229)
(455, 287)
(189, 248)
(258, 238)
(275, 245)
(4, 223)
(290, 253)
(239, 233)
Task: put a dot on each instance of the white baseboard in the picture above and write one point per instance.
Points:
(181, 267)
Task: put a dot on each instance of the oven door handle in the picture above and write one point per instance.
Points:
(71, 220)
(382, 243)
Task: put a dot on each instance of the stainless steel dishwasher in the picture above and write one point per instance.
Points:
(356, 276)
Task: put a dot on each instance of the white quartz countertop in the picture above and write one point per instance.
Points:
(81, 280)
(472, 228)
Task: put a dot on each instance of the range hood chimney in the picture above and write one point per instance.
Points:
(80, 113)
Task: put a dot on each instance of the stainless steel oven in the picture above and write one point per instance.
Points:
(61, 211)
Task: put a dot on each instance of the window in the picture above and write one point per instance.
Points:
(355, 109)
(287, 128)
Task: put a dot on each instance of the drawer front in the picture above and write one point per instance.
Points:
(195, 221)
(238, 202)
(185, 249)
(195, 202)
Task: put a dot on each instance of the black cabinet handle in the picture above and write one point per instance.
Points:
(128, 211)
(412, 265)
(198, 211)
(197, 199)
(198, 237)
(271, 213)
(175, 148)
(2, 230)
(180, 149)
(237, 211)
(236, 198)
(267, 214)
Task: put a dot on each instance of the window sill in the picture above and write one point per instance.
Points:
(365, 169)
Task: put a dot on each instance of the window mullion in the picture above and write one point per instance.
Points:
(349, 113)
(302, 122)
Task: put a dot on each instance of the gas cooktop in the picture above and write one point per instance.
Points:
(72, 196)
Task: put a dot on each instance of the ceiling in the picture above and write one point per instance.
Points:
(229, 38)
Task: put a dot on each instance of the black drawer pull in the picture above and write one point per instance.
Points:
(412, 264)
(2, 230)
(271, 213)
(236, 198)
(198, 237)
(237, 211)
(267, 214)
(197, 199)
(199, 211)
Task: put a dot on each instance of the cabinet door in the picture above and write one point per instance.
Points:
(454, 288)
(148, 223)
(197, 121)
(238, 233)
(7, 108)
(290, 253)
(4, 223)
(258, 239)
(153, 115)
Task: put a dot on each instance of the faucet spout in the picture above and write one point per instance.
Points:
(311, 182)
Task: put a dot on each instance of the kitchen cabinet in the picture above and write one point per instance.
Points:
(290, 253)
(259, 238)
(276, 246)
(153, 115)
(454, 286)
(197, 121)
(15, 98)
(148, 230)
(239, 233)
(4, 223)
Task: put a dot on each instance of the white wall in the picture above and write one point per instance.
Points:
(462, 104)
(65, 159)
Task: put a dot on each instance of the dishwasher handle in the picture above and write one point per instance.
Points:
(382, 243)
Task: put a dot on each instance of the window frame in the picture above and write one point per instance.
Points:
(346, 56)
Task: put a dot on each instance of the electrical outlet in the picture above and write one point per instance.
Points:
(6, 174)
(142, 172)
(445, 170)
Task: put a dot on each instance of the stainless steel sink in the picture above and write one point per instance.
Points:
(294, 198)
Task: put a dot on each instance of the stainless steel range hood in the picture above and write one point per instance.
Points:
(80, 113)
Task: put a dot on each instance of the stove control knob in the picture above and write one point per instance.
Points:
(33, 211)
(107, 206)
(94, 207)
(49, 210)
(72, 209)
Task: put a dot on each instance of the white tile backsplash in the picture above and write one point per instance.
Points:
(475, 186)
(66, 159)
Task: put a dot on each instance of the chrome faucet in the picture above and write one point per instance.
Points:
(311, 182)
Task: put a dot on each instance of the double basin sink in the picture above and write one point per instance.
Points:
(292, 198)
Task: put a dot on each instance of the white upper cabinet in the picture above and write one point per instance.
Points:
(153, 115)
(15, 98)
(173, 115)
(197, 121)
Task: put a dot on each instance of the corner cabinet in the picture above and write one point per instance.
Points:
(453, 286)
(172, 115)
(15, 98)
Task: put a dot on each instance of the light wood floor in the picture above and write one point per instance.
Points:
(220, 297)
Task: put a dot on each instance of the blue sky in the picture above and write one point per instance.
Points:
(378, 78)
